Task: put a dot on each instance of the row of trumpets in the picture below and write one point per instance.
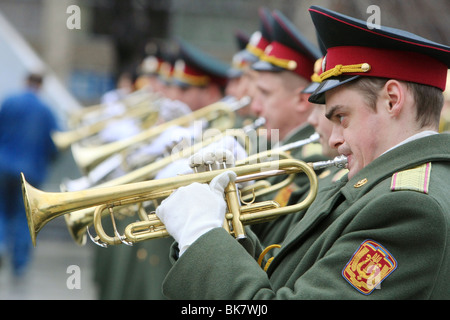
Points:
(85, 208)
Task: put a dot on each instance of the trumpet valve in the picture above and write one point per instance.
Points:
(195, 161)
(225, 157)
(209, 158)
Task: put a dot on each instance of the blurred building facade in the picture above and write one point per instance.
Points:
(113, 33)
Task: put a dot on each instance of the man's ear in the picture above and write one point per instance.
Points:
(303, 104)
(395, 95)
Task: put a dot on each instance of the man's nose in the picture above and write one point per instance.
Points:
(255, 106)
(312, 119)
(336, 137)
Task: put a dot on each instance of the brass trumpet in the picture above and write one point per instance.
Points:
(78, 222)
(64, 139)
(42, 207)
(98, 111)
(264, 187)
(88, 157)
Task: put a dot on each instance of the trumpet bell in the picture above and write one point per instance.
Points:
(34, 199)
(26, 199)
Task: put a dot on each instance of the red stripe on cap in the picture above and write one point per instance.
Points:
(394, 64)
(379, 34)
(305, 66)
(262, 44)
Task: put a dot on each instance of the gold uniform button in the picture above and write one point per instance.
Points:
(292, 65)
(154, 260)
(365, 67)
(141, 254)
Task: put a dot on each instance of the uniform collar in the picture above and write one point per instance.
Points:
(414, 137)
(404, 156)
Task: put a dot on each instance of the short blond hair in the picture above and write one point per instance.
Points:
(428, 100)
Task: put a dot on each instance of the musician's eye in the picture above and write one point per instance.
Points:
(342, 119)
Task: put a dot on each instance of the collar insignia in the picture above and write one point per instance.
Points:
(360, 183)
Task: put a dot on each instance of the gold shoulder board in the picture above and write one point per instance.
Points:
(415, 179)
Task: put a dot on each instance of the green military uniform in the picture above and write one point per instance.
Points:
(274, 232)
(395, 210)
(131, 272)
(384, 233)
(147, 269)
(135, 272)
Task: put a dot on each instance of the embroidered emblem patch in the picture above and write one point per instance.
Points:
(369, 266)
(416, 179)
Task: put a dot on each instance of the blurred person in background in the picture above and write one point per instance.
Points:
(284, 70)
(26, 123)
(444, 125)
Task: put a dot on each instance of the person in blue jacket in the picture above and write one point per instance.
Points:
(26, 123)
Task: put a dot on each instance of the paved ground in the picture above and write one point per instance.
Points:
(54, 253)
(50, 270)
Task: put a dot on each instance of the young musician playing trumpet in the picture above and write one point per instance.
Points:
(381, 232)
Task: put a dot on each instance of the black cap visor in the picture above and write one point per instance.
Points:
(318, 96)
(311, 87)
(234, 73)
(248, 56)
(265, 66)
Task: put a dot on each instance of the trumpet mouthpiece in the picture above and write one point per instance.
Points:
(339, 162)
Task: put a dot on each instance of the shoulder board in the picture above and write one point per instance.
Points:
(311, 149)
(415, 179)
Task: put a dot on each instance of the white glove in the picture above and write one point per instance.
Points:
(227, 148)
(193, 210)
(177, 167)
(165, 141)
(172, 109)
(119, 129)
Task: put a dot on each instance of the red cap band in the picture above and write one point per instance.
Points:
(190, 75)
(289, 59)
(387, 63)
(257, 44)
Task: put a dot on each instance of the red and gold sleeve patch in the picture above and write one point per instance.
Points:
(369, 266)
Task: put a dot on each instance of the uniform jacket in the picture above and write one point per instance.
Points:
(275, 231)
(391, 221)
